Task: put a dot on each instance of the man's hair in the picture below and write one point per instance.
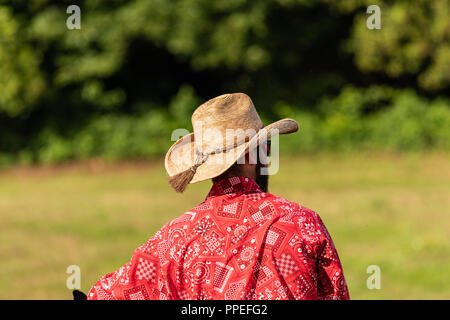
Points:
(234, 170)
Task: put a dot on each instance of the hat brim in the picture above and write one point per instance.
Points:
(181, 154)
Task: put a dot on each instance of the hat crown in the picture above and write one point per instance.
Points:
(225, 120)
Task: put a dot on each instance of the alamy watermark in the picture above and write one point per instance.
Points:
(374, 20)
(74, 20)
(74, 280)
(374, 280)
(227, 147)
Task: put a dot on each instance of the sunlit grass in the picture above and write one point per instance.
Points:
(386, 210)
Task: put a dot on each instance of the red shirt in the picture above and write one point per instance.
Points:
(240, 243)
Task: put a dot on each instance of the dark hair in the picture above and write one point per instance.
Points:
(235, 169)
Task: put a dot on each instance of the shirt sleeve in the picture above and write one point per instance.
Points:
(136, 280)
(331, 284)
(104, 288)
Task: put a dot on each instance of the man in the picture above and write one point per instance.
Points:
(241, 242)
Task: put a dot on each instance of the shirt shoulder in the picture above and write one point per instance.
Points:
(290, 210)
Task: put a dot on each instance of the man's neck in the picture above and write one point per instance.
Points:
(227, 175)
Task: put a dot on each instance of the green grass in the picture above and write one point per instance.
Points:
(387, 210)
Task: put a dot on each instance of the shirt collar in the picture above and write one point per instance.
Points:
(234, 185)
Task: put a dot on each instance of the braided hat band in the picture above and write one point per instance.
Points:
(180, 181)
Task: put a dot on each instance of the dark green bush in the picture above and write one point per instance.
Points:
(347, 122)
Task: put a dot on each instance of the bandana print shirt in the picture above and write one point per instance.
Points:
(240, 243)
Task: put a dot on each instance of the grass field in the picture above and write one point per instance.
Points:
(387, 210)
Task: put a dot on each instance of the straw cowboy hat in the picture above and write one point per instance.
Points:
(225, 129)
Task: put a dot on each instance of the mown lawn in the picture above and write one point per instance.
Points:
(387, 210)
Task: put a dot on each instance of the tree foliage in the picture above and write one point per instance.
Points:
(137, 59)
